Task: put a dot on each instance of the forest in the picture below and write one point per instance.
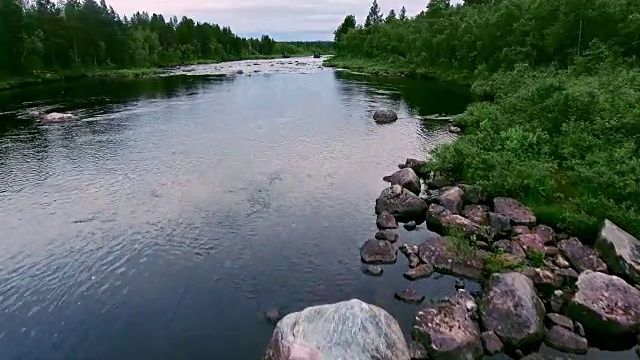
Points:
(75, 35)
(557, 121)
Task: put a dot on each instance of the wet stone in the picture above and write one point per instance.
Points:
(373, 270)
(409, 295)
(419, 272)
(561, 320)
(388, 235)
(378, 251)
(386, 221)
(410, 226)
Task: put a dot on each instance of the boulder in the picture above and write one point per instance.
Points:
(455, 130)
(566, 340)
(345, 330)
(511, 247)
(452, 200)
(520, 230)
(514, 210)
(385, 116)
(439, 181)
(386, 221)
(479, 214)
(402, 204)
(58, 117)
(406, 178)
(441, 253)
(620, 251)
(410, 226)
(500, 225)
(388, 235)
(561, 262)
(580, 256)
(492, 343)
(376, 251)
(447, 330)
(445, 221)
(410, 296)
(530, 242)
(546, 233)
(545, 281)
(605, 305)
(413, 163)
(568, 275)
(511, 309)
(561, 320)
(239, 71)
(419, 272)
(373, 270)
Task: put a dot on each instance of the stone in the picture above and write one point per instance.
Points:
(444, 220)
(499, 224)
(455, 130)
(407, 178)
(417, 351)
(419, 272)
(386, 221)
(514, 210)
(546, 233)
(545, 281)
(605, 304)
(388, 235)
(579, 329)
(376, 251)
(557, 301)
(512, 310)
(521, 230)
(401, 203)
(373, 270)
(440, 252)
(414, 164)
(561, 320)
(409, 296)
(459, 284)
(479, 214)
(345, 330)
(407, 249)
(273, 316)
(410, 226)
(530, 242)
(414, 260)
(385, 116)
(452, 200)
(620, 251)
(511, 247)
(58, 117)
(551, 251)
(492, 343)
(446, 329)
(561, 262)
(580, 256)
(566, 340)
(439, 181)
(568, 275)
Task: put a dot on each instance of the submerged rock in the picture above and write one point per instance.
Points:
(385, 116)
(407, 178)
(512, 310)
(346, 330)
(605, 304)
(401, 203)
(447, 330)
(580, 256)
(386, 221)
(566, 340)
(376, 251)
(58, 117)
(273, 315)
(620, 251)
(374, 270)
(409, 296)
(514, 210)
(419, 272)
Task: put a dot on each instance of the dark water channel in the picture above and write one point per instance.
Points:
(176, 210)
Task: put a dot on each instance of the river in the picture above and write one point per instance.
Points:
(176, 210)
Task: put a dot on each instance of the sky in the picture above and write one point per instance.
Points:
(283, 20)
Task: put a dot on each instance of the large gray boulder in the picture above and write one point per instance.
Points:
(402, 204)
(620, 251)
(58, 117)
(580, 256)
(606, 305)
(511, 309)
(346, 330)
(447, 330)
(407, 178)
(385, 116)
(514, 210)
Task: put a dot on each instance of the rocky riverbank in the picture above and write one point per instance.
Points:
(538, 286)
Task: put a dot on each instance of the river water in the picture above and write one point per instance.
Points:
(175, 211)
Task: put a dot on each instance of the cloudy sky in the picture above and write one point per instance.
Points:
(282, 19)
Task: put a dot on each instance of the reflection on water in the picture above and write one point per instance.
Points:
(163, 222)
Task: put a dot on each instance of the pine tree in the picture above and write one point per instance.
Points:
(348, 24)
(375, 15)
(403, 14)
(391, 16)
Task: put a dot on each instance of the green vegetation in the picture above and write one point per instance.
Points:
(536, 258)
(461, 243)
(45, 41)
(559, 122)
(500, 262)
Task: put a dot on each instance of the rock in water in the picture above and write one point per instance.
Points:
(406, 178)
(386, 221)
(606, 305)
(514, 210)
(447, 330)
(58, 117)
(440, 252)
(620, 251)
(409, 296)
(442, 219)
(351, 330)
(410, 226)
(419, 272)
(373, 270)
(388, 235)
(580, 256)
(566, 340)
(512, 310)
(401, 203)
(376, 251)
(385, 116)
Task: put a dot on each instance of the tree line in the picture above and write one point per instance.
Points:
(557, 124)
(85, 34)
